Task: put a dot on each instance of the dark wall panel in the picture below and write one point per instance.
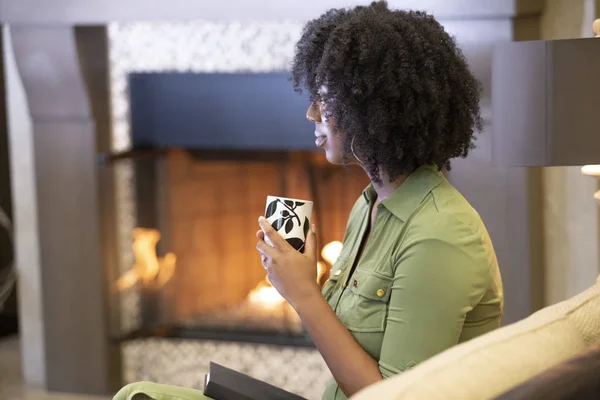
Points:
(219, 111)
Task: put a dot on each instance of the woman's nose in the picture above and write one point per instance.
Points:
(313, 114)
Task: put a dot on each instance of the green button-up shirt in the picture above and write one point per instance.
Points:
(427, 279)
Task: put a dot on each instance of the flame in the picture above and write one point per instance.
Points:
(127, 280)
(331, 251)
(266, 296)
(321, 270)
(148, 269)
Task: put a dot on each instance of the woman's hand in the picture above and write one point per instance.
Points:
(292, 273)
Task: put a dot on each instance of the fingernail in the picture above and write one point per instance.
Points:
(314, 228)
(260, 219)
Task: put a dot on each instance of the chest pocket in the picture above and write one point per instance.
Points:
(365, 305)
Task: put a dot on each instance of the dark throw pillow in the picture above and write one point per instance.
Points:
(574, 379)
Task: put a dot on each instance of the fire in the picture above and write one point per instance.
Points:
(149, 269)
(331, 251)
(321, 270)
(152, 271)
(265, 295)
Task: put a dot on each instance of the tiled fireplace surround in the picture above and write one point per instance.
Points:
(63, 71)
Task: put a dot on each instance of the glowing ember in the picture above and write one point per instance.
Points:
(331, 252)
(321, 270)
(265, 295)
(149, 269)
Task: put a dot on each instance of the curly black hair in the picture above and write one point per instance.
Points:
(397, 85)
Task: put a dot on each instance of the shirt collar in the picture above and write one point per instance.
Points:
(410, 193)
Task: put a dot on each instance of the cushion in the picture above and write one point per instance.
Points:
(575, 379)
(489, 365)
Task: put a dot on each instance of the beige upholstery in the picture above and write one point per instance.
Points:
(491, 364)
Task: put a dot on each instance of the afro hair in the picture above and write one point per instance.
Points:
(398, 87)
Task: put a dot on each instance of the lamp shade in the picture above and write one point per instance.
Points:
(546, 103)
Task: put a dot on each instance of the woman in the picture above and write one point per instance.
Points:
(393, 94)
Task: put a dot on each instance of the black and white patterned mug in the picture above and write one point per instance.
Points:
(290, 218)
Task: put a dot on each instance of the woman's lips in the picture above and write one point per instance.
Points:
(320, 141)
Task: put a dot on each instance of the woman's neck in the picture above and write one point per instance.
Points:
(387, 187)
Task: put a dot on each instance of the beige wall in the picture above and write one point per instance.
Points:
(25, 221)
(571, 219)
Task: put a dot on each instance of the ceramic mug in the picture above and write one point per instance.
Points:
(290, 218)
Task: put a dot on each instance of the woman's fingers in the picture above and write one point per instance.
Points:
(274, 237)
(266, 250)
(311, 246)
(264, 260)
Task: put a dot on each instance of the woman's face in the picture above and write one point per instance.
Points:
(325, 139)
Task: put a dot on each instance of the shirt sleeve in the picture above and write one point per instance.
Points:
(437, 280)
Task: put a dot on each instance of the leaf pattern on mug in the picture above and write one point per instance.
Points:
(289, 225)
(306, 226)
(271, 208)
(286, 220)
(277, 224)
(296, 243)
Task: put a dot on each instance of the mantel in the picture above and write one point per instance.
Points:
(77, 12)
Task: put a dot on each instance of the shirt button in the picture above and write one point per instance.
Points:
(380, 292)
(339, 271)
(355, 283)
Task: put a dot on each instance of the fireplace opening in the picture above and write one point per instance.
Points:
(206, 151)
(195, 268)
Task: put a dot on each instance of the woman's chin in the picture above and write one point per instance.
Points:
(334, 159)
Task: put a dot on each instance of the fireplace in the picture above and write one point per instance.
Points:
(199, 185)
